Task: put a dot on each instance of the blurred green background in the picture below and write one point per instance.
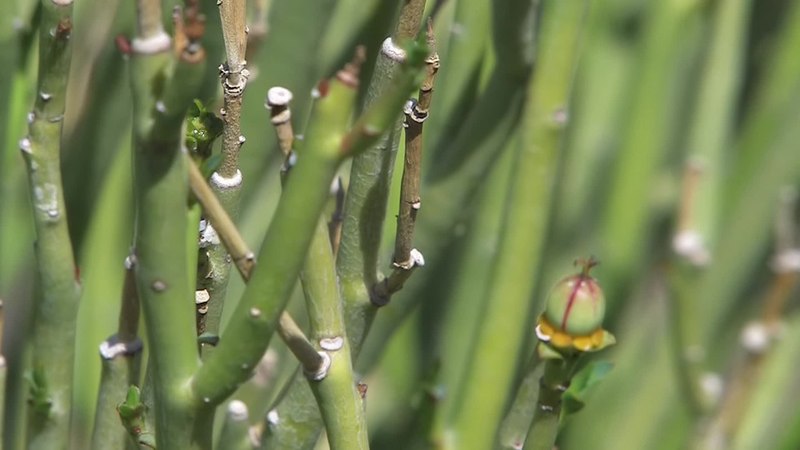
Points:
(678, 171)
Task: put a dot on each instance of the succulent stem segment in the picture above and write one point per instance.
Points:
(368, 191)
(289, 235)
(226, 182)
(340, 404)
(58, 286)
(508, 308)
(244, 260)
(121, 358)
(163, 89)
(292, 430)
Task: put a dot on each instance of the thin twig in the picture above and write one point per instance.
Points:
(121, 355)
(406, 258)
(370, 174)
(244, 260)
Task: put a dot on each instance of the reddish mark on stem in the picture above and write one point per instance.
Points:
(64, 28)
(323, 87)
(578, 282)
(123, 44)
(362, 390)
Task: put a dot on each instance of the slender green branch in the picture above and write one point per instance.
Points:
(243, 258)
(226, 182)
(339, 401)
(289, 235)
(294, 424)
(643, 142)
(224, 228)
(714, 109)
(701, 203)
(544, 428)
(121, 354)
(160, 193)
(56, 305)
(515, 425)
(270, 286)
(367, 194)
(524, 232)
(215, 261)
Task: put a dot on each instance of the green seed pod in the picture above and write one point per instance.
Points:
(576, 304)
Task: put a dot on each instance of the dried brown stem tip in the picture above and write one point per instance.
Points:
(277, 103)
(587, 264)
(349, 75)
(688, 242)
(189, 29)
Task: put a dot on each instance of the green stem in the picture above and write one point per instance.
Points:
(715, 118)
(466, 301)
(518, 421)
(368, 191)
(643, 143)
(214, 266)
(244, 260)
(121, 355)
(544, 428)
(160, 193)
(289, 235)
(701, 204)
(56, 305)
(339, 402)
(509, 311)
(296, 425)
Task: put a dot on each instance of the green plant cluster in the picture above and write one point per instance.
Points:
(412, 260)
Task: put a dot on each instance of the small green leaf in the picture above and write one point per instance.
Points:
(39, 392)
(132, 406)
(202, 129)
(581, 384)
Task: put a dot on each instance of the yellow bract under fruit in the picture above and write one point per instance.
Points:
(560, 339)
